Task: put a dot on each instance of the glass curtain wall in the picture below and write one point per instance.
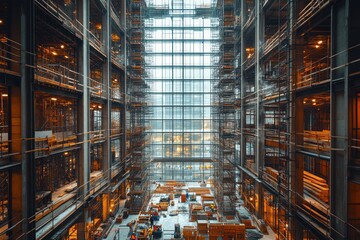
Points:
(180, 44)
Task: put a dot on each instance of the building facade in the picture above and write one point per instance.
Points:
(260, 98)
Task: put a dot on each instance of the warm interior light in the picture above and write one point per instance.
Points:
(304, 102)
(100, 107)
(314, 104)
(66, 57)
(251, 198)
(320, 42)
(1, 21)
(4, 95)
(317, 46)
(115, 80)
(53, 99)
(62, 46)
(54, 53)
(66, 153)
(313, 100)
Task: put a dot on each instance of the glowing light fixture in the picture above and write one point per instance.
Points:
(4, 95)
(320, 42)
(53, 99)
(54, 53)
(62, 46)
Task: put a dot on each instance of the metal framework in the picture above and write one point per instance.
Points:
(179, 46)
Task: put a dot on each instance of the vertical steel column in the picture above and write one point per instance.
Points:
(339, 109)
(27, 118)
(106, 22)
(259, 28)
(84, 119)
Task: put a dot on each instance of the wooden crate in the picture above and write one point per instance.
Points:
(202, 226)
(189, 232)
(229, 229)
(216, 229)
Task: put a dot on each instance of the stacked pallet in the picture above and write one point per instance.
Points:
(316, 186)
(202, 226)
(216, 230)
(189, 233)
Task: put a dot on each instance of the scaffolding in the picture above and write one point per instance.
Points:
(137, 107)
(224, 112)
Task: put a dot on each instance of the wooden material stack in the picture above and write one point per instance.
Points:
(216, 230)
(164, 189)
(200, 191)
(174, 183)
(190, 233)
(316, 186)
(207, 197)
(202, 226)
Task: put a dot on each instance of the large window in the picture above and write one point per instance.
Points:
(179, 73)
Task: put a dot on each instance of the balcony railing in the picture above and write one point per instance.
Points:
(56, 74)
(310, 10)
(10, 57)
(314, 73)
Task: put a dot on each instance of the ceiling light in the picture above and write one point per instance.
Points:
(53, 99)
(320, 42)
(313, 100)
(54, 53)
(62, 46)
(4, 95)
(317, 46)
(66, 57)
(100, 107)
(304, 102)
(314, 104)
(1, 21)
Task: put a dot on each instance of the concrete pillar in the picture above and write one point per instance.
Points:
(339, 109)
(84, 119)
